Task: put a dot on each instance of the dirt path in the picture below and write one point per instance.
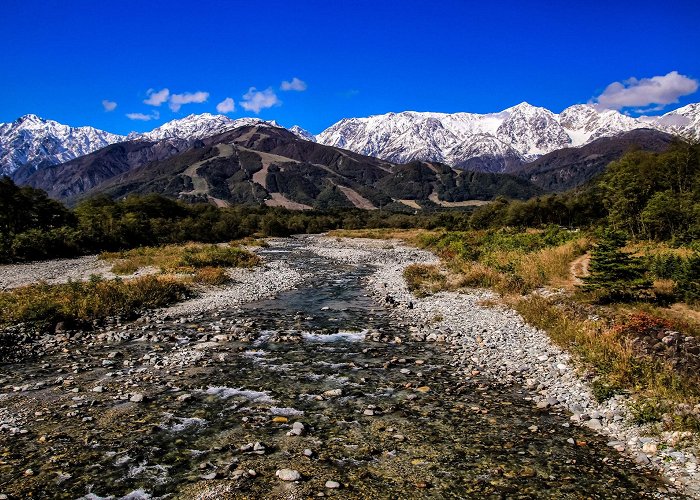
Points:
(579, 269)
(199, 184)
(411, 203)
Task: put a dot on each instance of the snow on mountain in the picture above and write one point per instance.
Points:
(532, 131)
(683, 121)
(198, 127)
(302, 133)
(492, 141)
(36, 142)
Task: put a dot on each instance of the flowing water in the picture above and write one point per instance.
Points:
(398, 422)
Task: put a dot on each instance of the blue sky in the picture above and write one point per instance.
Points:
(62, 59)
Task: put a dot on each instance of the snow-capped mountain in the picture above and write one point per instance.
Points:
(494, 141)
(683, 121)
(35, 142)
(198, 127)
(302, 133)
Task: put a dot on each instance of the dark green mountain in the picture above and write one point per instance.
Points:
(267, 165)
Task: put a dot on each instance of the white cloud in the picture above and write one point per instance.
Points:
(143, 117)
(109, 105)
(295, 84)
(156, 98)
(226, 106)
(658, 90)
(177, 100)
(255, 100)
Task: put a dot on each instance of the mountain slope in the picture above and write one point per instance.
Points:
(34, 142)
(267, 165)
(79, 175)
(570, 167)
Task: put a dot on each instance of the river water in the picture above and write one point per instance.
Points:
(398, 422)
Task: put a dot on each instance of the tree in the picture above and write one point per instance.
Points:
(614, 274)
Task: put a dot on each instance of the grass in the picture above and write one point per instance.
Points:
(82, 302)
(605, 350)
(179, 258)
(424, 279)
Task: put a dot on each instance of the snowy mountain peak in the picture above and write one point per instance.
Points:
(302, 133)
(196, 127)
(34, 141)
(519, 133)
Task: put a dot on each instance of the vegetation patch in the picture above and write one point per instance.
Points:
(211, 276)
(605, 347)
(78, 303)
(424, 279)
(180, 258)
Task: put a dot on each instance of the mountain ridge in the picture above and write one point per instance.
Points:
(491, 142)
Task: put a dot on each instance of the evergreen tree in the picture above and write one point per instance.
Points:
(614, 274)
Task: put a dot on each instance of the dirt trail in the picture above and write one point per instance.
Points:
(579, 269)
(411, 203)
(199, 184)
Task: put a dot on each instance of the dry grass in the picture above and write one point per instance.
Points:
(179, 258)
(424, 279)
(211, 276)
(607, 351)
(516, 271)
(78, 302)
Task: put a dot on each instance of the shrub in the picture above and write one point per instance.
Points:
(423, 279)
(646, 411)
(79, 302)
(217, 256)
(211, 276)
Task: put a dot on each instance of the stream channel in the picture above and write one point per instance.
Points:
(204, 407)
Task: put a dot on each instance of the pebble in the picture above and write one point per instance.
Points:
(332, 485)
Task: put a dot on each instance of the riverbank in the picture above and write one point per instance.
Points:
(491, 340)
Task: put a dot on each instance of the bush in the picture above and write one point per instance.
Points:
(647, 411)
(81, 302)
(217, 256)
(423, 279)
(211, 276)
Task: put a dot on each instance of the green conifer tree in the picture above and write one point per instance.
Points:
(614, 275)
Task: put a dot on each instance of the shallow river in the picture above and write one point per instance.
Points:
(397, 423)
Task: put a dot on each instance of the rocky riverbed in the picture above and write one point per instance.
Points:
(318, 374)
